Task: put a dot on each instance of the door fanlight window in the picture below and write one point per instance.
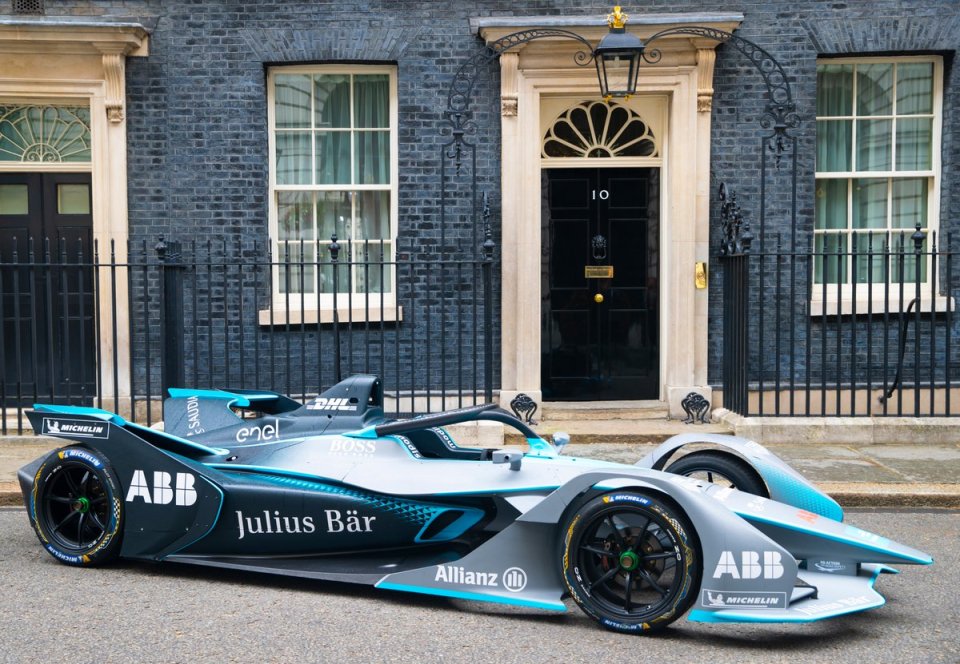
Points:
(45, 134)
(599, 129)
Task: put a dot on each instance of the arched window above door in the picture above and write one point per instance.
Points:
(45, 134)
(597, 129)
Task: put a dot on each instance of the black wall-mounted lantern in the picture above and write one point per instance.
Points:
(618, 58)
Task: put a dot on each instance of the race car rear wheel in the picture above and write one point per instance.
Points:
(76, 507)
(720, 468)
(631, 562)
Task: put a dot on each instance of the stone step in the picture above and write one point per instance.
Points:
(620, 431)
(552, 411)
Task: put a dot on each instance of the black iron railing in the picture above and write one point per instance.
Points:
(114, 329)
(863, 325)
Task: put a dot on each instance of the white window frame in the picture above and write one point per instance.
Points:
(846, 298)
(319, 307)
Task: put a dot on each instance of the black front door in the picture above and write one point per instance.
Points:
(600, 322)
(46, 289)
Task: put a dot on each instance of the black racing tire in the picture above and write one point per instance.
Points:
(720, 468)
(76, 507)
(631, 561)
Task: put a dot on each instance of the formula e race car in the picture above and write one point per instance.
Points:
(335, 490)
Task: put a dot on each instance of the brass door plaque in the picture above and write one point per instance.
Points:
(700, 275)
(598, 272)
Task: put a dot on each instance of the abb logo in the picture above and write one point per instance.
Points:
(164, 489)
(749, 566)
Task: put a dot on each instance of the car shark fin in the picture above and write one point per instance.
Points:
(189, 413)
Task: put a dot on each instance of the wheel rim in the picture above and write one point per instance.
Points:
(630, 562)
(75, 507)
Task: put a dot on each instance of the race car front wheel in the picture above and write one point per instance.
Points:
(76, 507)
(720, 468)
(630, 562)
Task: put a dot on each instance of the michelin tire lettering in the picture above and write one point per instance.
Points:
(75, 507)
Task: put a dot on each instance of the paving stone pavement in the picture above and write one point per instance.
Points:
(908, 475)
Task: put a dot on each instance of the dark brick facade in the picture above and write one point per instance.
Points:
(197, 124)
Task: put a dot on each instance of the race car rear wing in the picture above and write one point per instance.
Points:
(90, 425)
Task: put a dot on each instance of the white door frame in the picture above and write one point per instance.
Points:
(82, 63)
(544, 69)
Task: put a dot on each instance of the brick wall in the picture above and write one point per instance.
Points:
(197, 105)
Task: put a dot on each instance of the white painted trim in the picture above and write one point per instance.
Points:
(878, 305)
(544, 69)
(326, 299)
(934, 173)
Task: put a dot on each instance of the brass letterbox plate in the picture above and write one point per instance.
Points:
(598, 272)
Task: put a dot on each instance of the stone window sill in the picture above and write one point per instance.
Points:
(324, 316)
(863, 306)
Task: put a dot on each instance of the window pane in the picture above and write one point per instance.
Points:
(73, 199)
(874, 89)
(915, 88)
(373, 212)
(14, 199)
(870, 262)
(831, 261)
(874, 148)
(869, 203)
(831, 204)
(45, 134)
(343, 280)
(333, 157)
(372, 269)
(910, 203)
(371, 101)
(834, 90)
(71, 134)
(904, 259)
(292, 100)
(914, 137)
(293, 157)
(332, 131)
(333, 101)
(372, 157)
(834, 138)
(295, 215)
(297, 269)
(334, 215)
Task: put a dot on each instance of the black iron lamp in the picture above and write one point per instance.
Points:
(618, 58)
